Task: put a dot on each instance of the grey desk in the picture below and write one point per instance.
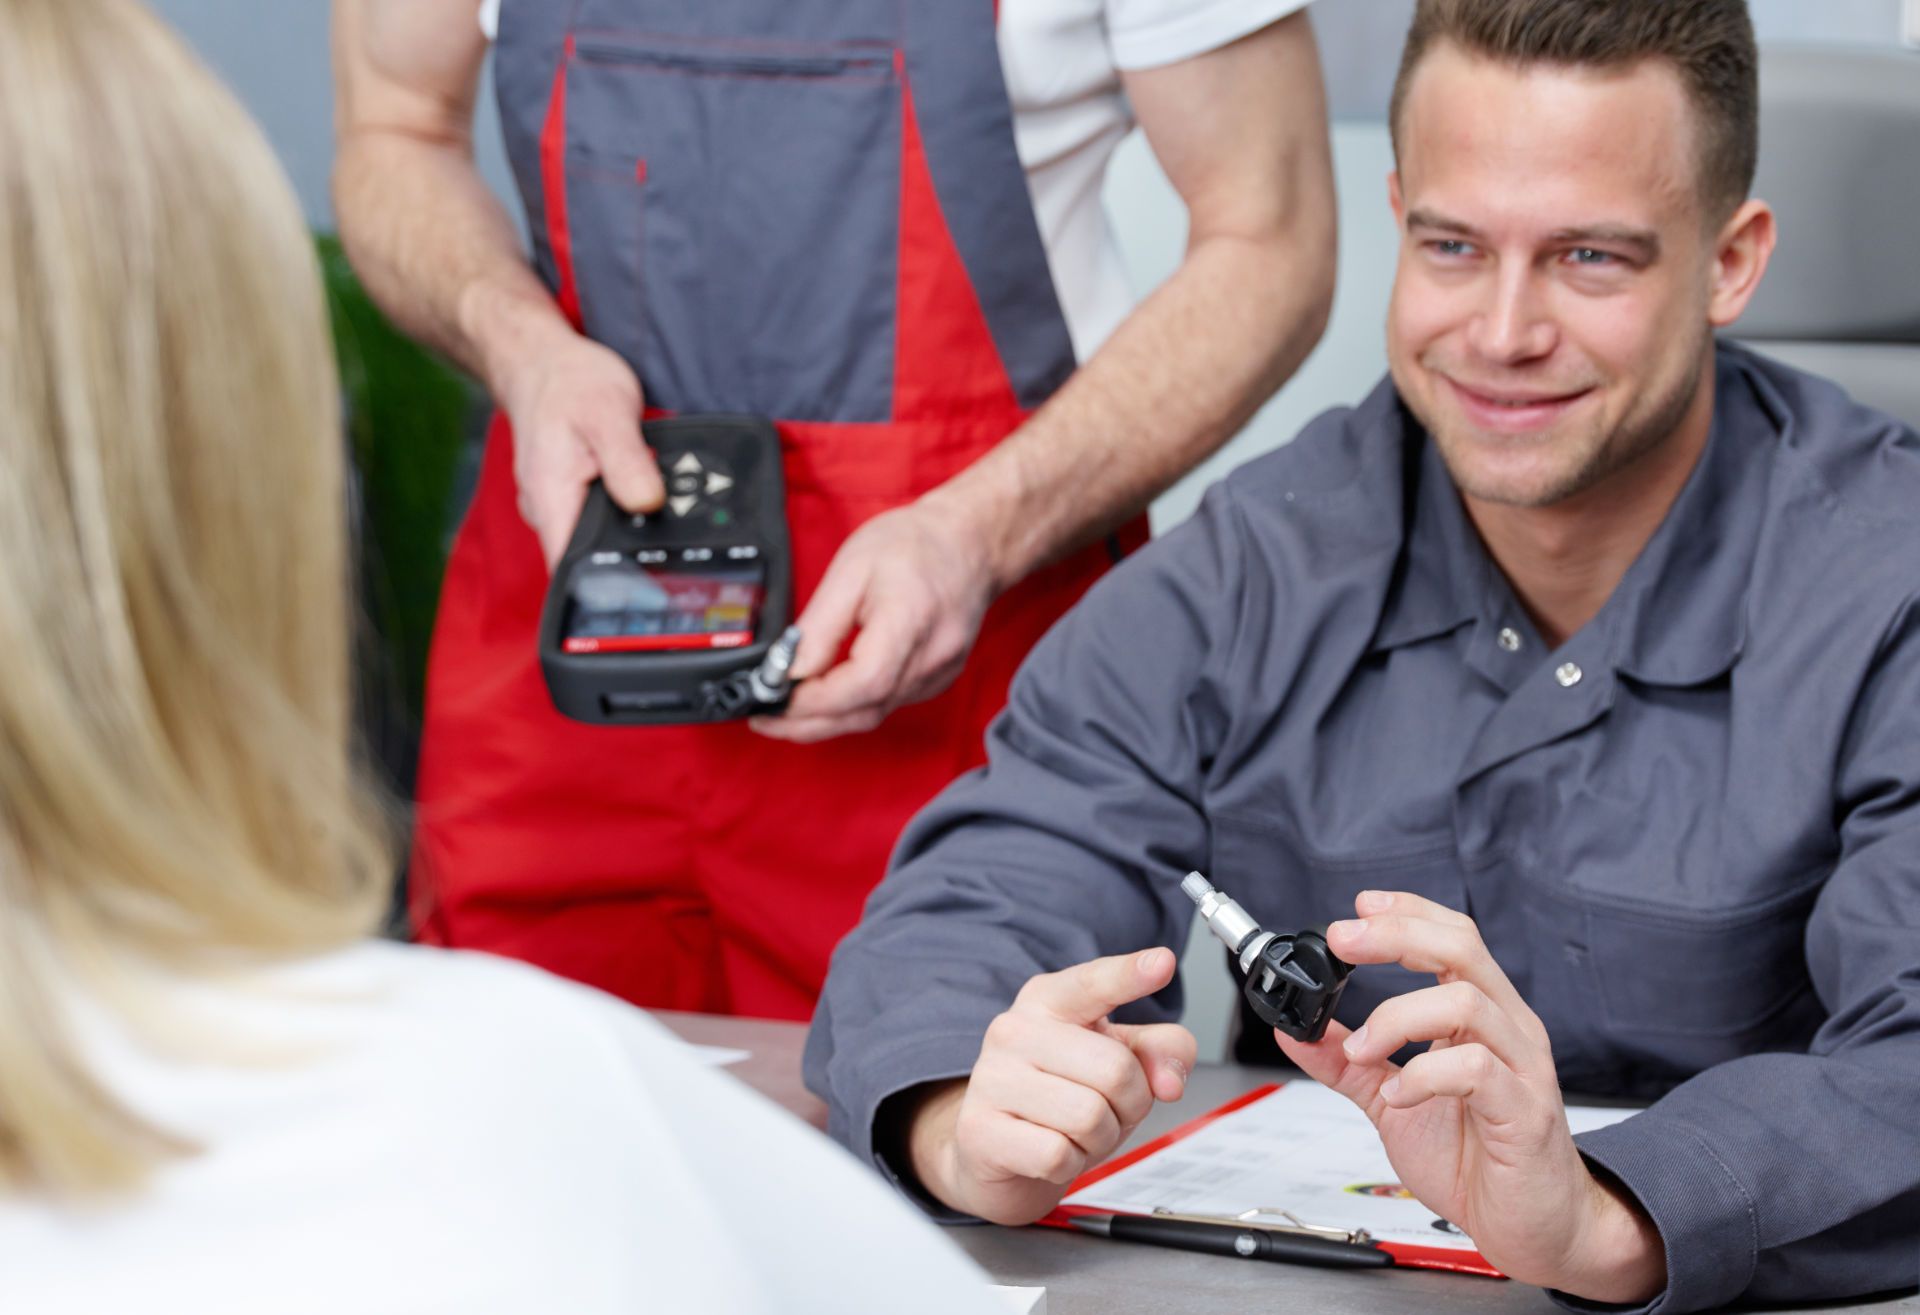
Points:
(1089, 1276)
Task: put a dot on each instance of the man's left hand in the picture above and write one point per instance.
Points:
(1475, 1127)
(914, 582)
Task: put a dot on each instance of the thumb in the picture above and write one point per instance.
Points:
(1326, 1062)
(627, 465)
(1165, 1050)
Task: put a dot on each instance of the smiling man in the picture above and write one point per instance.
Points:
(1575, 674)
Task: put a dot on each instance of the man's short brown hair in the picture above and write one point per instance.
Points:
(1709, 42)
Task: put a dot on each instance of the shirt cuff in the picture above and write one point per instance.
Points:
(931, 1059)
(1704, 1214)
(1195, 30)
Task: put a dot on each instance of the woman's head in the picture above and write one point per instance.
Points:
(175, 779)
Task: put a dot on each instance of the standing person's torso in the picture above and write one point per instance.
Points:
(1062, 61)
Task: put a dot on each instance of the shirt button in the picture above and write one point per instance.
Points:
(1510, 639)
(1568, 675)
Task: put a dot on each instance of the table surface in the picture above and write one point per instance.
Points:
(1092, 1276)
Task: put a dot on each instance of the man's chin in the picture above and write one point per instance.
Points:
(1500, 470)
(1522, 494)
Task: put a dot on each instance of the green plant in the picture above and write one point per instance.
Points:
(409, 415)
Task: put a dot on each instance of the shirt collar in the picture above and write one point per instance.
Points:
(1680, 612)
(1678, 616)
(1439, 581)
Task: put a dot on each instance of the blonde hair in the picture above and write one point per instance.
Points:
(176, 783)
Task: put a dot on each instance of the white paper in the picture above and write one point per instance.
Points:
(1024, 1301)
(719, 1056)
(1303, 1149)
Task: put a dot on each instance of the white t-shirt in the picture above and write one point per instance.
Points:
(448, 1132)
(1062, 61)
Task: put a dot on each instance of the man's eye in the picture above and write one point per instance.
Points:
(1448, 246)
(1591, 257)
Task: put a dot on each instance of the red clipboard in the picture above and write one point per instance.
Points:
(1416, 1257)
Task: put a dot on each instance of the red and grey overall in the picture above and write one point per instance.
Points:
(809, 210)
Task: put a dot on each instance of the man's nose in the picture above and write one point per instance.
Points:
(1513, 326)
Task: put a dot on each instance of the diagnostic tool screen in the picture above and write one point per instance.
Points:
(660, 599)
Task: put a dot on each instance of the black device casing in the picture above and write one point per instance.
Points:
(1295, 982)
(675, 687)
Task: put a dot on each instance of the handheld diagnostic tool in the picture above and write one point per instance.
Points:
(679, 615)
(1291, 982)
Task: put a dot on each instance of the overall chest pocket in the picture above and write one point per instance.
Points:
(734, 214)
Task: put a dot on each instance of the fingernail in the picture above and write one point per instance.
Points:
(1349, 930)
(1356, 1043)
(1372, 901)
(1390, 1088)
(1180, 1070)
(1149, 961)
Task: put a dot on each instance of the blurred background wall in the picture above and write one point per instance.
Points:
(274, 54)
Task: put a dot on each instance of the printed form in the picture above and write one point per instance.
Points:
(1302, 1150)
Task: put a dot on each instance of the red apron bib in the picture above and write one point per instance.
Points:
(810, 210)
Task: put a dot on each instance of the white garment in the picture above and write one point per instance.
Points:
(1062, 61)
(468, 1135)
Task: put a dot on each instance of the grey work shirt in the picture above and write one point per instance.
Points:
(1690, 835)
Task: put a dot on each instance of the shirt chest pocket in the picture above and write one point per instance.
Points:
(1683, 973)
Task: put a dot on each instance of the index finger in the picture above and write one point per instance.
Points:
(1424, 937)
(555, 504)
(828, 618)
(1402, 901)
(1087, 992)
(868, 677)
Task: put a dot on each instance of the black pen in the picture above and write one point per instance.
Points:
(1231, 1239)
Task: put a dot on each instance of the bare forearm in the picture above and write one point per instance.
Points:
(1176, 380)
(924, 1146)
(1624, 1262)
(437, 252)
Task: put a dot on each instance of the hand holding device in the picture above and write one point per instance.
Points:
(1056, 1088)
(914, 583)
(680, 615)
(1475, 1126)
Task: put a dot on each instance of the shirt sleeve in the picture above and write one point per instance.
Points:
(1148, 33)
(1069, 845)
(1795, 1177)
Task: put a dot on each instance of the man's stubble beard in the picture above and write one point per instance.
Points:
(1636, 437)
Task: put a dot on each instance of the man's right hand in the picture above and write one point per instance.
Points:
(1057, 1089)
(439, 255)
(575, 408)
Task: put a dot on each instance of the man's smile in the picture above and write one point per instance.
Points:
(1512, 410)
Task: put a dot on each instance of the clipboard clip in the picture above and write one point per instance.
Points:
(1270, 1220)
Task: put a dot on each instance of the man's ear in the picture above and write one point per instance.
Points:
(1396, 199)
(1741, 253)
